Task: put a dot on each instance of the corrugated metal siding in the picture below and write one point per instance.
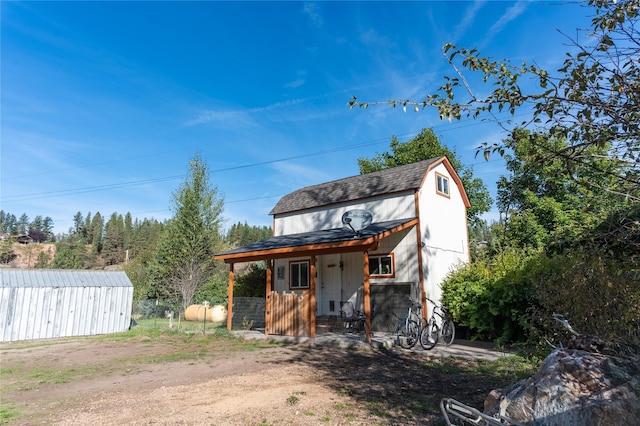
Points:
(47, 303)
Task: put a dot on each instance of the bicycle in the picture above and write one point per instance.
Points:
(429, 334)
(410, 328)
(446, 330)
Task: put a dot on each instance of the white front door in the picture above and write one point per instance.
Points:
(330, 285)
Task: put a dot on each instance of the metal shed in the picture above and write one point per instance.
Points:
(47, 303)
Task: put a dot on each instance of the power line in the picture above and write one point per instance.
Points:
(82, 190)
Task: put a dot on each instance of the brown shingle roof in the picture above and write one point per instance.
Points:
(387, 181)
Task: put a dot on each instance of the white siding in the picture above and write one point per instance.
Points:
(282, 285)
(444, 231)
(352, 279)
(37, 304)
(401, 206)
(403, 246)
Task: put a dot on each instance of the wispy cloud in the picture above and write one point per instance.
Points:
(287, 111)
(512, 13)
(375, 40)
(467, 20)
(225, 118)
(293, 175)
(297, 82)
(311, 10)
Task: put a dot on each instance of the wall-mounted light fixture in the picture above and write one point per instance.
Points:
(341, 265)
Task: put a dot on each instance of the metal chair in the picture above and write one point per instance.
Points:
(353, 320)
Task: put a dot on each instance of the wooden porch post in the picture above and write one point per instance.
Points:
(269, 289)
(367, 297)
(312, 298)
(230, 307)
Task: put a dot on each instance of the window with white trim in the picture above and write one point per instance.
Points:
(381, 266)
(442, 185)
(299, 275)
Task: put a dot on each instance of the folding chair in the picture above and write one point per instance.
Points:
(353, 320)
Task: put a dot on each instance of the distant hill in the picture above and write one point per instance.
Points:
(26, 256)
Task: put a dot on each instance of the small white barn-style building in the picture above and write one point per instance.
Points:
(49, 303)
(417, 234)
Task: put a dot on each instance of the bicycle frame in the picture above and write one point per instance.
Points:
(467, 414)
(417, 314)
(406, 325)
(438, 311)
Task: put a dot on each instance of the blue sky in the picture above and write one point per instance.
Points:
(103, 104)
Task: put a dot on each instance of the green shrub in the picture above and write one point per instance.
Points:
(513, 297)
(599, 296)
(216, 291)
(491, 297)
(253, 283)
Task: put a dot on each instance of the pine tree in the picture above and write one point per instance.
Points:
(184, 259)
(97, 229)
(87, 231)
(77, 224)
(47, 228)
(23, 224)
(112, 250)
(6, 251)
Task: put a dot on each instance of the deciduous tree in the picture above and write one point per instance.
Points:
(590, 101)
(422, 147)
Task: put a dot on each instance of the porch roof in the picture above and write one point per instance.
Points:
(337, 240)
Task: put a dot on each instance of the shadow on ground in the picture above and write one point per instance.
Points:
(403, 387)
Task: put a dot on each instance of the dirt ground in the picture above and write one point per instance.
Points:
(205, 380)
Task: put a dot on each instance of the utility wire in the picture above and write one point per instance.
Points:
(82, 190)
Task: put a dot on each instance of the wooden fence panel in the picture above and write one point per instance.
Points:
(288, 314)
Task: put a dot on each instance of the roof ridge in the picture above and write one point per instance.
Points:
(395, 169)
(380, 182)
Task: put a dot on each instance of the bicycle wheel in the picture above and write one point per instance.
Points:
(408, 335)
(448, 332)
(429, 336)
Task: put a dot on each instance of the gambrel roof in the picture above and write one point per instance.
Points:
(383, 182)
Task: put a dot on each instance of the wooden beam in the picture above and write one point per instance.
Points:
(312, 290)
(230, 293)
(350, 246)
(297, 251)
(268, 290)
(367, 297)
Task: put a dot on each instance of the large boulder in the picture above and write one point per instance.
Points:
(573, 387)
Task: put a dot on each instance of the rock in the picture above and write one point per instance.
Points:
(573, 387)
